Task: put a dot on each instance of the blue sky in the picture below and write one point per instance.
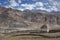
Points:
(48, 5)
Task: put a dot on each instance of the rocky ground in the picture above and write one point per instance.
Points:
(12, 20)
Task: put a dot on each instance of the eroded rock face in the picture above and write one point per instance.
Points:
(15, 20)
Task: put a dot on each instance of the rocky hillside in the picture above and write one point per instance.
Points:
(15, 20)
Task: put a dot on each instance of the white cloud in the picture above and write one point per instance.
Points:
(39, 4)
(31, 6)
(13, 3)
(28, 6)
(19, 1)
(54, 8)
(55, 4)
(46, 3)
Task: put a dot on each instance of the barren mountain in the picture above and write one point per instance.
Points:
(15, 20)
